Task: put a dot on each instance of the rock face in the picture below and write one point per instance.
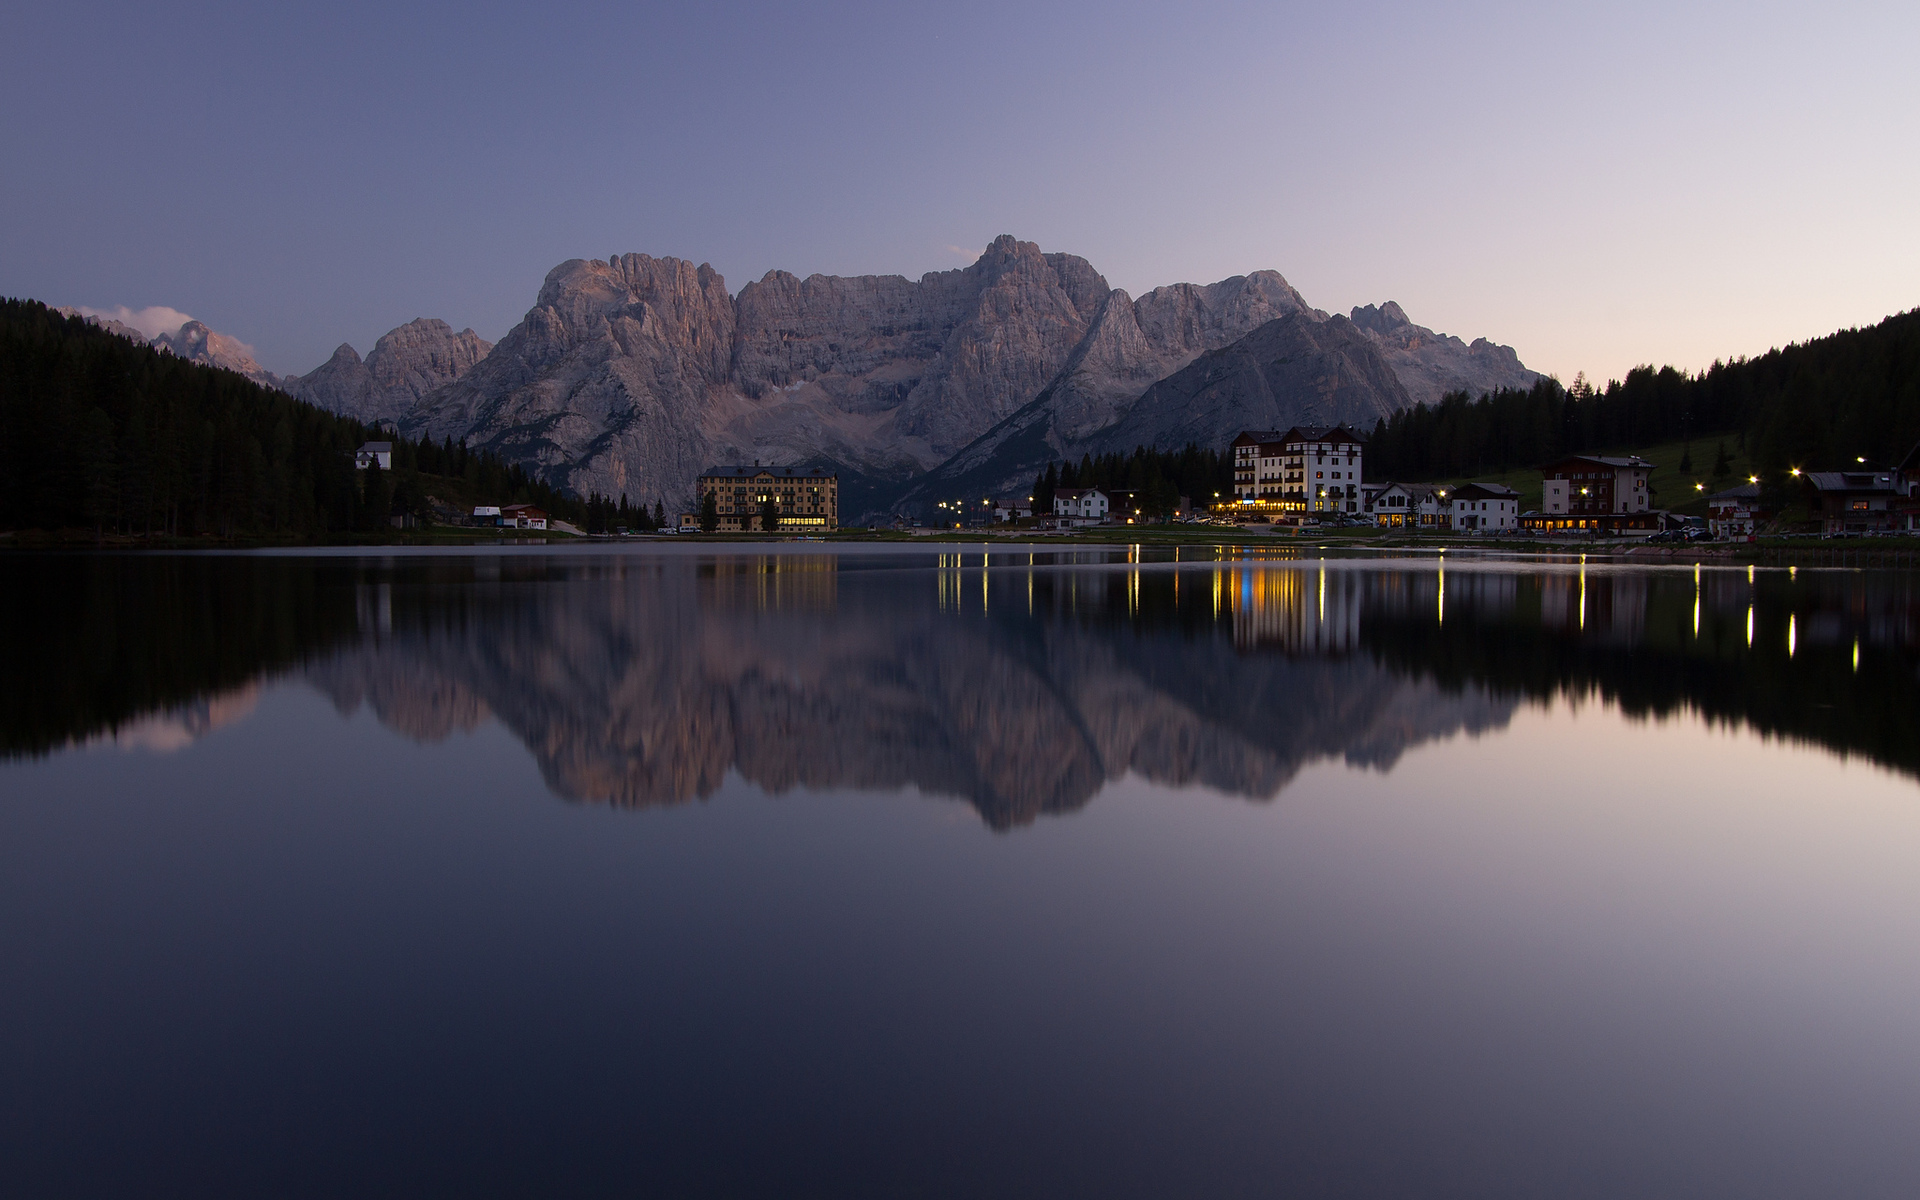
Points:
(632, 374)
(1298, 369)
(406, 364)
(1431, 364)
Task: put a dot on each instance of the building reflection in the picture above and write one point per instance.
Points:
(1021, 682)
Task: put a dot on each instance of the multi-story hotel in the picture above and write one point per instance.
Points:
(1591, 485)
(808, 498)
(1309, 468)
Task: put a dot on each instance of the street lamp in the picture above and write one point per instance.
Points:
(1795, 472)
(1753, 479)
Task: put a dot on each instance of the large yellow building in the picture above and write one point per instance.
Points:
(808, 498)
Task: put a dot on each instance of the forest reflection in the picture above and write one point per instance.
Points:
(1022, 683)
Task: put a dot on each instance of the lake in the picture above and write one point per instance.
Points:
(957, 871)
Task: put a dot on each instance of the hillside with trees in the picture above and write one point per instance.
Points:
(1826, 402)
(101, 434)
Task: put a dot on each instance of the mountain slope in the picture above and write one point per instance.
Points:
(631, 375)
(405, 365)
(1429, 364)
(1296, 369)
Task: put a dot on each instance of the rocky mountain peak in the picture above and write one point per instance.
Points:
(1432, 364)
(406, 364)
(1382, 319)
(195, 342)
(634, 373)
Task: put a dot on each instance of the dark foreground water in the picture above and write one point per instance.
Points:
(898, 874)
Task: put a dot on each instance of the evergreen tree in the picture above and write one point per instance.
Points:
(769, 513)
(376, 495)
(709, 513)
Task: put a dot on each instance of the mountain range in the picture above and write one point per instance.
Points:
(651, 689)
(633, 374)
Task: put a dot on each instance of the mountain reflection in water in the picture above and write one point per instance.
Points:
(1020, 682)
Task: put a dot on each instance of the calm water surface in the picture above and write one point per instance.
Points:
(881, 873)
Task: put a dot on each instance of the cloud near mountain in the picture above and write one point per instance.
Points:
(151, 322)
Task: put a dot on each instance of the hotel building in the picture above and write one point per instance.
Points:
(808, 498)
(1306, 469)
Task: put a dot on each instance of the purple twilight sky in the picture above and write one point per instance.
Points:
(1596, 185)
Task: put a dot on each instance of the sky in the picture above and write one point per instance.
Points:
(1596, 185)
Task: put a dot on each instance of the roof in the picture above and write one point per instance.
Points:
(739, 471)
(1070, 493)
(1852, 481)
(1300, 433)
(376, 448)
(1603, 460)
(1484, 491)
(1323, 433)
(522, 509)
(1746, 491)
(1417, 491)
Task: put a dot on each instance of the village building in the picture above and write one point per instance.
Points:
(1734, 513)
(522, 516)
(1306, 469)
(1012, 508)
(1859, 501)
(1595, 492)
(1588, 485)
(373, 452)
(1080, 506)
(1484, 508)
(1412, 505)
(805, 498)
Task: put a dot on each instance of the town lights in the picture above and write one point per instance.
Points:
(1753, 479)
(1699, 487)
(1795, 472)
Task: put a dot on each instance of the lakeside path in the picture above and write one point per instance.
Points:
(1856, 552)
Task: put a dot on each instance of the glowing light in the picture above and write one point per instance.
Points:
(1749, 624)
(1791, 635)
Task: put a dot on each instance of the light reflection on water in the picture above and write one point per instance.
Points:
(1381, 879)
